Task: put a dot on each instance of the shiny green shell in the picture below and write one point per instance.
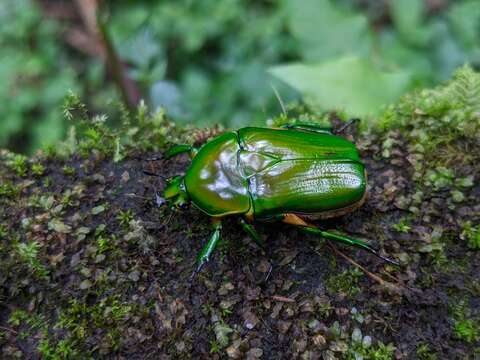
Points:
(266, 172)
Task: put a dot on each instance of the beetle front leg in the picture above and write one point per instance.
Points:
(180, 149)
(208, 249)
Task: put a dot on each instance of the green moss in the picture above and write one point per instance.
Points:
(38, 169)
(124, 218)
(465, 327)
(379, 351)
(18, 163)
(346, 282)
(403, 225)
(28, 253)
(441, 126)
(471, 234)
(64, 349)
(9, 190)
(425, 353)
(68, 170)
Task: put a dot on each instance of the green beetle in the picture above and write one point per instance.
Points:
(293, 174)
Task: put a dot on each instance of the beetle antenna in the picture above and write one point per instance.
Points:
(154, 158)
(149, 173)
(348, 124)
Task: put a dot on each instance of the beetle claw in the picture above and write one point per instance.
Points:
(196, 271)
(390, 261)
(159, 200)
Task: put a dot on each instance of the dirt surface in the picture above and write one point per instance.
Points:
(110, 273)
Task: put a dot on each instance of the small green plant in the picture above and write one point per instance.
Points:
(471, 234)
(403, 225)
(28, 252)
(64, 349)
(346, 282)
(378, 351)
(10, 190)
(38, 169)
(214, 347)
(33, 321)
(464, 328)
(440, 178)
(18, 163)
(425, 353)
(103, 243)
(3, 232)
(125, 217)
(68, 170)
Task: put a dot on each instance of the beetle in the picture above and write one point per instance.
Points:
(295, 174)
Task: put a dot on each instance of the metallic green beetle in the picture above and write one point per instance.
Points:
(294, 174)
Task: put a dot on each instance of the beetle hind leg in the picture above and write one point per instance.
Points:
(311, 229)
(204, 254)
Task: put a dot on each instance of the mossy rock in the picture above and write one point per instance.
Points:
(92, 267)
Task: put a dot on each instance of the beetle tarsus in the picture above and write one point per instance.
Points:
(197, 270)
(390, 261)
(347, 125)
(159, 200)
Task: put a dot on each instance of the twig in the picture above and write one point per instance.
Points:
(374, 277)
(95, 40)
(282, 299)
(8, 329)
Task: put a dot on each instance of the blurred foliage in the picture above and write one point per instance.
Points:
(346, 68)
(34, 76)
(207, 62)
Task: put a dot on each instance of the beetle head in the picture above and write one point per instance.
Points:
(175, 191)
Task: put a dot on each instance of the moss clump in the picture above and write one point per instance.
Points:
(345, 283)
(471, 234)
(441, 126)
(465, 327)
(436, 117)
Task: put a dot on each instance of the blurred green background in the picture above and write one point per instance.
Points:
(224, 61)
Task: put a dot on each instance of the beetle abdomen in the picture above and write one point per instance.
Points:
(307, 186)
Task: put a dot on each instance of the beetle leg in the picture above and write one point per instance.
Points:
(309, 228)
(250, 230)
(180, 149)
(208, 249)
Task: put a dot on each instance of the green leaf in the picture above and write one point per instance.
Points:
(324, 31)
(464, 18)
(408, 17)
(98, 209)
(59, 226)
(354, 85)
